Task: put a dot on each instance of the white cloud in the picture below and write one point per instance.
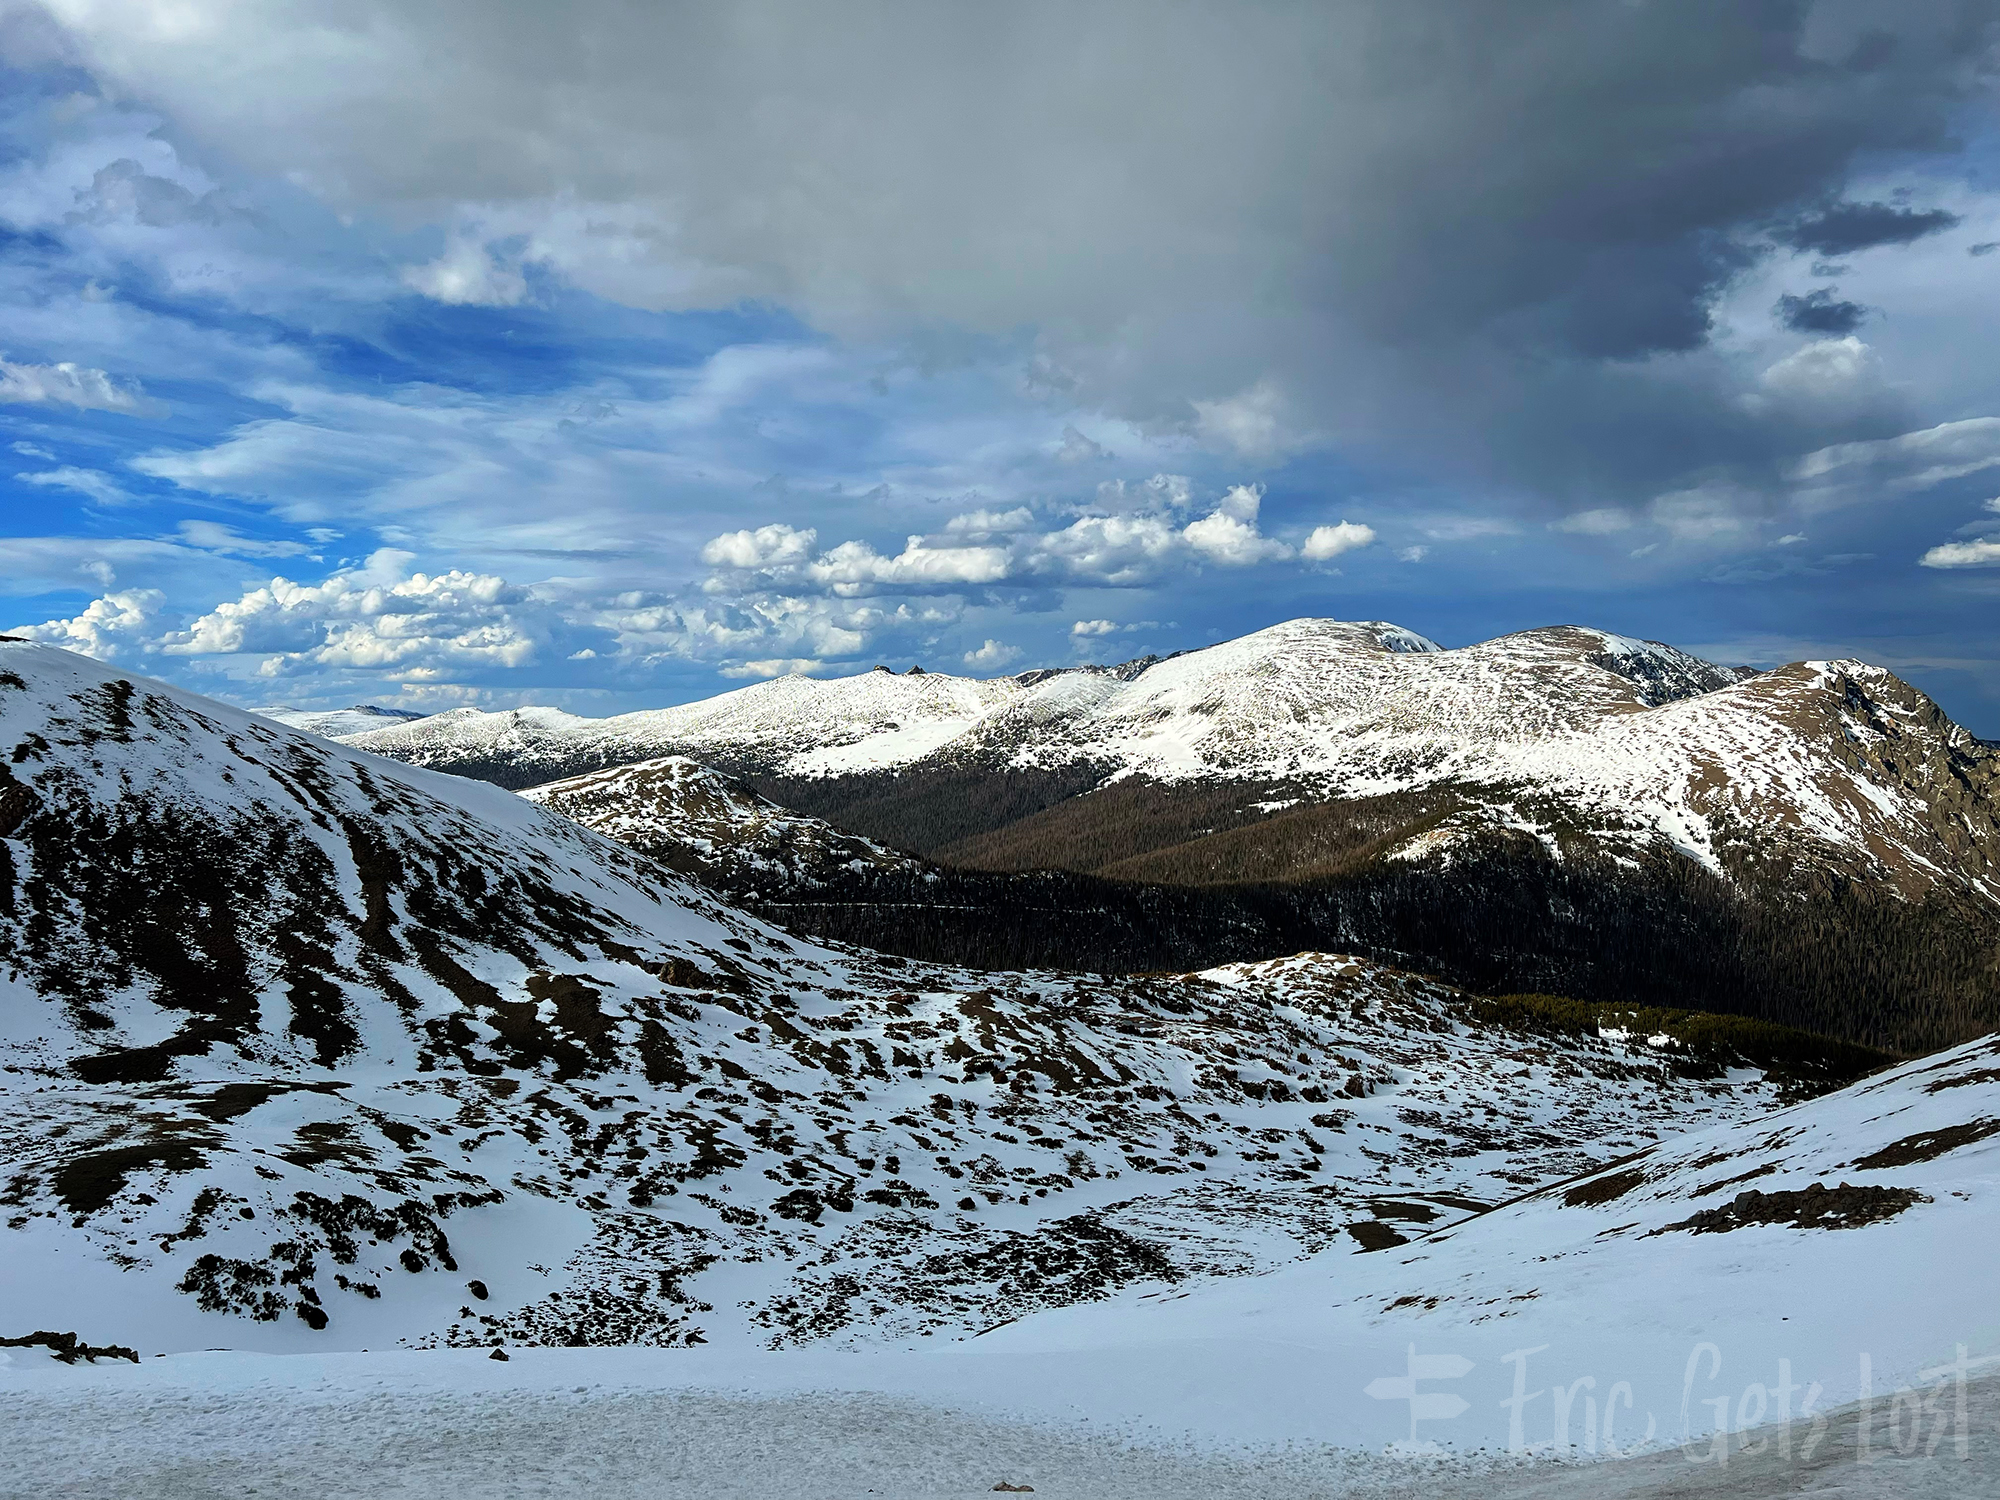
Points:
(1602, 522)
(1229, 535)
(213, 536)
(1122, 551)
(74, 385)
(373, 619)
(468, 274)
(1413, 554)
(1913, 461)
(106, 627)
(33, 450)
(1827, 371)
(777, 666)
(992, 655)
(1791, 539)
(1092, 627)
(855, 567)
(991, 522)
(1980, 554)
(767, 546)
(1330, 541)
(100, 487)
(1139, 542)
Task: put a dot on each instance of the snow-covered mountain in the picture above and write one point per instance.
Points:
(1818, 844)
(333, 723)
(303, 1047)
(1552, 732)
(1276, 703)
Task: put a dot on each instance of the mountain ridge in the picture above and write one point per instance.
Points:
(1561, 809)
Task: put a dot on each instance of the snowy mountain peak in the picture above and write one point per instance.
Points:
(1310, 674)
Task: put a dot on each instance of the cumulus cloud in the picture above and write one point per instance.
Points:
(991, 522)
(1140, 541)
(1086, 628)
(1978, 554)
(68, 384)
(1331, 541)
(420, 627)
(991, 656)
(1825, 370)
(1229, 535)
(775, 666)
(108, 627)
(767, 546)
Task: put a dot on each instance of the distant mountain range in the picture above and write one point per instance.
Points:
(1562, 809)
(335, 722)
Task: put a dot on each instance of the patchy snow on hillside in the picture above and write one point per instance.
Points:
(1791, 1304)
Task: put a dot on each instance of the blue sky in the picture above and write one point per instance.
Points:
(389, 353)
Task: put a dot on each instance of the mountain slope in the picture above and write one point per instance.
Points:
(1758, 1271)
(719, 831)
(304, 1046)
(1560, 810)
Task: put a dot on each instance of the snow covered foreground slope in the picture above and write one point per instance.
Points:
(306, 1049)
(1638, 1310)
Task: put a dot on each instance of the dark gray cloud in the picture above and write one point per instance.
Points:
(1820, 312)
(1843, 228)
(1458, 235)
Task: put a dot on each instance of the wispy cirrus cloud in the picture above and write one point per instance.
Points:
(66, 383)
